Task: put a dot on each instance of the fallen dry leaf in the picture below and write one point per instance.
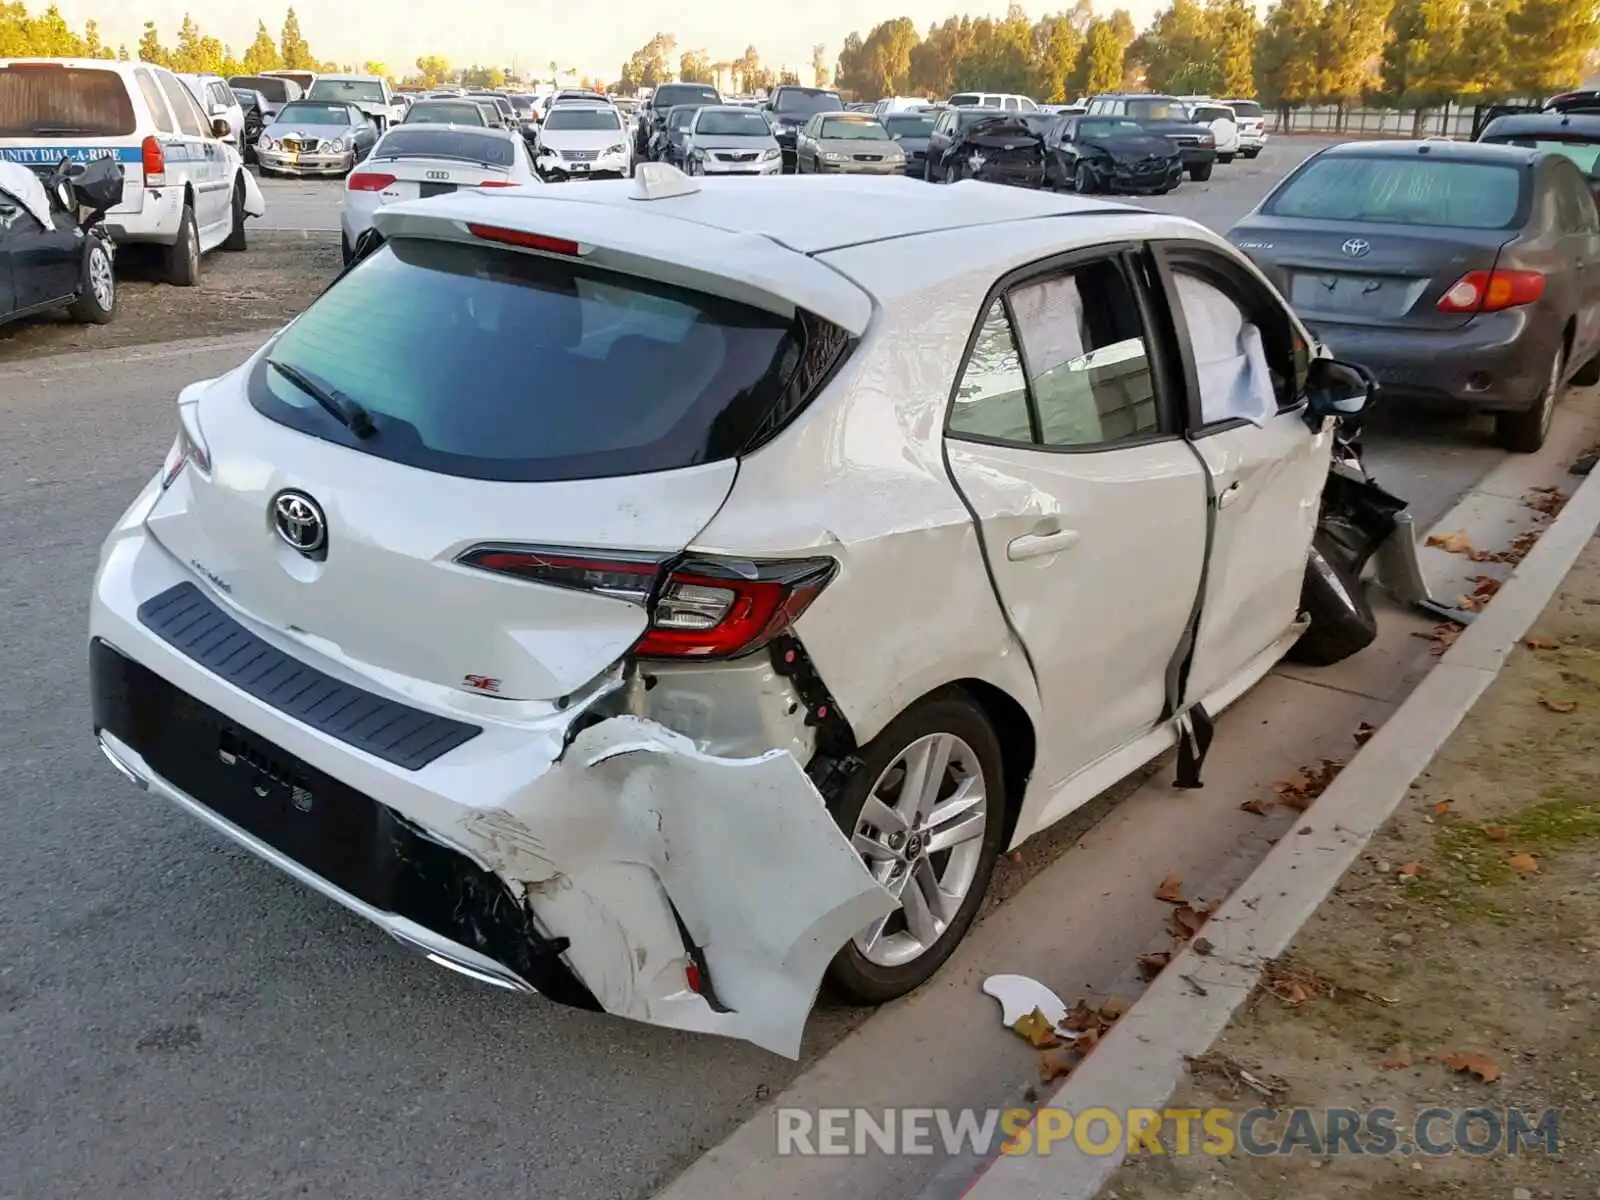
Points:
(1113, 1009)
(1260, 807)
(1469, 604)
(1442, 636)
(1299, 791)
(1497, 833)
(1294, 985)
(1171, 890)
(1410, 870)
(1056, 1064)
(1484, 587)
(1542, 643)
(1481, 1065)
(1087, 1041)
(1151, 965)
(1441, 808)
(1080, 1017)
(1451, 543)
(1398, 1059)
(1547, 500)
(1364, 732)
(1558, 706)
(1186, 922)
(1526, 864)
(1036, 1029)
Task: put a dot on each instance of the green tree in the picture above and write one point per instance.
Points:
(821, 76)
(788, 78)
(1287, 74)
(483, 77)
(1351, 39)
(1176, 48)
(747, 70)
(293, 47)
(150, 47)
(93, 47)
(1423, 61)
(880, 65)
(1103, 58)
(262, 54)
(378, 69)
(1485, 51)
(52, 37)
(651, 64)
(695, 67)
(1234, 29)
(432, 70)
(1058, 43)
(1549, 42)
(934, 60)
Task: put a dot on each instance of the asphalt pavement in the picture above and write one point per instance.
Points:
(182, 1022)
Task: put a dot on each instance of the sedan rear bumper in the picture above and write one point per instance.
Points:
(1497, 362)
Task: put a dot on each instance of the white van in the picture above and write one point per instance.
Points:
(218, 100)
(898, 104)
(992, 100)
(185, 189)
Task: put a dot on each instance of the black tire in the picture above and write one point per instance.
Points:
(346, 251)
(1200, 173)
(1083, 180)
(182, 267)
(1342, 620)
(89, 309)
(1224, 159)
(1524, 432)
(851, 977)
(1252, 153)
(236, 236)
(927, 170)
(1589, 374)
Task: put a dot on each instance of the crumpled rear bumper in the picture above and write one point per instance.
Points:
(603, 861)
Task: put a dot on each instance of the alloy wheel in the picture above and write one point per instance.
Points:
(920, 833)
(192, 249)
(102, 280)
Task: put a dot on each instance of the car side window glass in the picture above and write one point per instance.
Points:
(1088, 364)
(1011, 102)
(154, 100)
(15, 217)
(1287, 354)
(183, 106)
(1230, 356)
(1576, 204)
(992, 397)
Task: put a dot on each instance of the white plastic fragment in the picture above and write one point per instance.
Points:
(1019, 996)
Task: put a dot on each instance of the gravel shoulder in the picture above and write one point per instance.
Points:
(262, 288)
(1453, 967)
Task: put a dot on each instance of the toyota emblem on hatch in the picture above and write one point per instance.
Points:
(298, 521)
(1356, 247)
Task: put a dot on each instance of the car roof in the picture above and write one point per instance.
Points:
(1545, 122)
(1450, 151)
(347, 78)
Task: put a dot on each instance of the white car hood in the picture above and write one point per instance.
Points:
(581, 139)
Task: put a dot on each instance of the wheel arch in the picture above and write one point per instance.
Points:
(1019, 742)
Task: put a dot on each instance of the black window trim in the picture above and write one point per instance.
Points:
(1201, 259)
(1158, 350)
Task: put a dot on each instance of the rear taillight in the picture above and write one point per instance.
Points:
(698, 608)
(497, 183)
(1492, 291)
(154, 161)
(188, 447)
(368, 181)
(528, 241)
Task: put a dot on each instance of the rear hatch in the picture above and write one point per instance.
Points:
(543, 434)
(419, 161)
(1378, 240)
(50, 110)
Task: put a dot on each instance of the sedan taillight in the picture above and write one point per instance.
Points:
(704, 608)
(368, 181)
(1492, 291)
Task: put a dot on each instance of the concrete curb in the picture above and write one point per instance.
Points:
(1141, 1061)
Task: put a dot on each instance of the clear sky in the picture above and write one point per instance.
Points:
(587, 37)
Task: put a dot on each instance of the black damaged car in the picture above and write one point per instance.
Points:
(60, 256)
(1111, 154)
(1005, 148)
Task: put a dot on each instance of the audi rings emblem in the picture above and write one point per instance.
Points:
(299, 523)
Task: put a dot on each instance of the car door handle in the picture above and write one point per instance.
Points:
(1047, 538)
(1228, 494)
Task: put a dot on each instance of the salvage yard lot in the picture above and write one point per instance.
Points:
(181, 1021)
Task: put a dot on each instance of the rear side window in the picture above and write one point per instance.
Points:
(155, 101)
(1403, 191)
(183, 106)
(965, 99)
(275, 90)
(486, 363)
(422, 142)
(1246, 108)
(1585, 155)
(53, 101)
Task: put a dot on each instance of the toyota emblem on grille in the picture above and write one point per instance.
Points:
(299, 523)
(1356, 247)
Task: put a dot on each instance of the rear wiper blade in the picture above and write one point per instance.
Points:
(59, 130)
(339, 406)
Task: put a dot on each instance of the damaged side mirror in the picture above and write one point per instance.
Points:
(1338, 389)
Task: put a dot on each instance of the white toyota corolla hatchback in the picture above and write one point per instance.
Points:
(668, 593)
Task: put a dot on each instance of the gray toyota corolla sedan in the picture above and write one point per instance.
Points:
(1455, 271)
(316, 137)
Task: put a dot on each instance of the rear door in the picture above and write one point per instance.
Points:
(1580, 237)
(195, 158)
(1063, 437)
(1244, 365)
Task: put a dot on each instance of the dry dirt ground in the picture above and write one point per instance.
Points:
(262, 288)
(1457, 965)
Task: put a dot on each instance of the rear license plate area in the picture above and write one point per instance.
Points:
(1339, 292)
(436, 189)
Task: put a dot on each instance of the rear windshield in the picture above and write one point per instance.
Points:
(745, 123)
(909, 127)
(52, 101)
(681, 93)
(858, 130)
(968, 119)
(1402, 191)
(1583, 153)
(440, 142)
(307, 113)
(486, 363)
(434, 113)
(1246, 108)
(1212, 112)
(572, 117)
(275, 90)
(523, 104)
(796, 103)
(1157, 108)
(354, 91)
(965, 99)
